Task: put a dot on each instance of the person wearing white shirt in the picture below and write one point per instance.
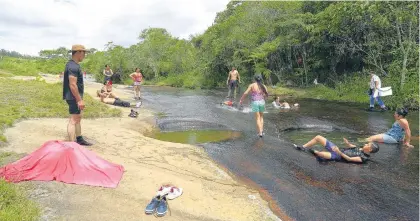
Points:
(375, 85)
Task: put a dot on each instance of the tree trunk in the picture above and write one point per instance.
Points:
(404, 50)
(404, 70)
(304, 65)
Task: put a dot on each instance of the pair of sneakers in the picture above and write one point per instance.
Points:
(310, 150)
(133, 113)
(301, 148)
(159, 204)
(382, 109)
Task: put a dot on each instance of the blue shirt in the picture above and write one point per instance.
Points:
(396, 132)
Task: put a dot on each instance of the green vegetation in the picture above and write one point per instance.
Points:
(14, 204)
(32, 67)
(290, 43)
(31, 99)
(353, 89)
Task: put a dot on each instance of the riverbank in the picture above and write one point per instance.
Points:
(209, 192)
(321, 92)
(352, 90)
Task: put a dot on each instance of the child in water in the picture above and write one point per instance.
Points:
(285, 105)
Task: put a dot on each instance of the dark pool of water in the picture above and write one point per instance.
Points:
(195, 136)
(384, 189)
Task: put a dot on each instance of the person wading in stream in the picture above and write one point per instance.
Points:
(233, 81)
(258, 94)
(375, 86)
(73, 89)
(137, 77)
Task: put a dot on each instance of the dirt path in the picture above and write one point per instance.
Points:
(209, 193)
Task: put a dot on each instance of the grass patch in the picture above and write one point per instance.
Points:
(35, 99)
(32, 67)
(14, 204)
(5, 74)
(284, 91)
(4, 155)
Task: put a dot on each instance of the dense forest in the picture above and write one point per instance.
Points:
(290, 43)
(13, 54)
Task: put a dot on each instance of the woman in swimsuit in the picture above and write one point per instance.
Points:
(258, 94)
(399, 133)
(137, 78)
(108, 73)
(106, 90)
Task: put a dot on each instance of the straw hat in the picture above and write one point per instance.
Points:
(78, 48)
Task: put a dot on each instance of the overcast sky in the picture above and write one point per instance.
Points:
(28, 26)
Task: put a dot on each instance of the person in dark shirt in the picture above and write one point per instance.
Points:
(73, 90)
(350, 154)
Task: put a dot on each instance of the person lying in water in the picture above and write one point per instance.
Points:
(350, 154)
(285, 105)
(399, 133)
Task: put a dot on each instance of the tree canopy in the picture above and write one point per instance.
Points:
(294, 42)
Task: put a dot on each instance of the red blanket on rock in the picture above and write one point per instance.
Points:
(67, 162)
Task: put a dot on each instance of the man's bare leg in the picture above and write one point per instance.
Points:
(78, 130)
(71, 126)
(318, 139)
(323, 154)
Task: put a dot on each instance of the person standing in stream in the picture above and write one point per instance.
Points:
(258, 94)
(375, 85)
(137, 77)
(233, 81)
(73, 90)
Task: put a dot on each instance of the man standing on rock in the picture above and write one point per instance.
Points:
(233, 82)
(73, 89)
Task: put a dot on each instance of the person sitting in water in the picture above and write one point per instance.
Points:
(399, 133)
(285, 105)
(350, 154)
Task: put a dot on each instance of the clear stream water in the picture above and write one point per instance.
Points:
(386, 188)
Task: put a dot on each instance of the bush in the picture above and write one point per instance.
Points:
(32, 67)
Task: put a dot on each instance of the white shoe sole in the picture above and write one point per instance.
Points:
(175, 194)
